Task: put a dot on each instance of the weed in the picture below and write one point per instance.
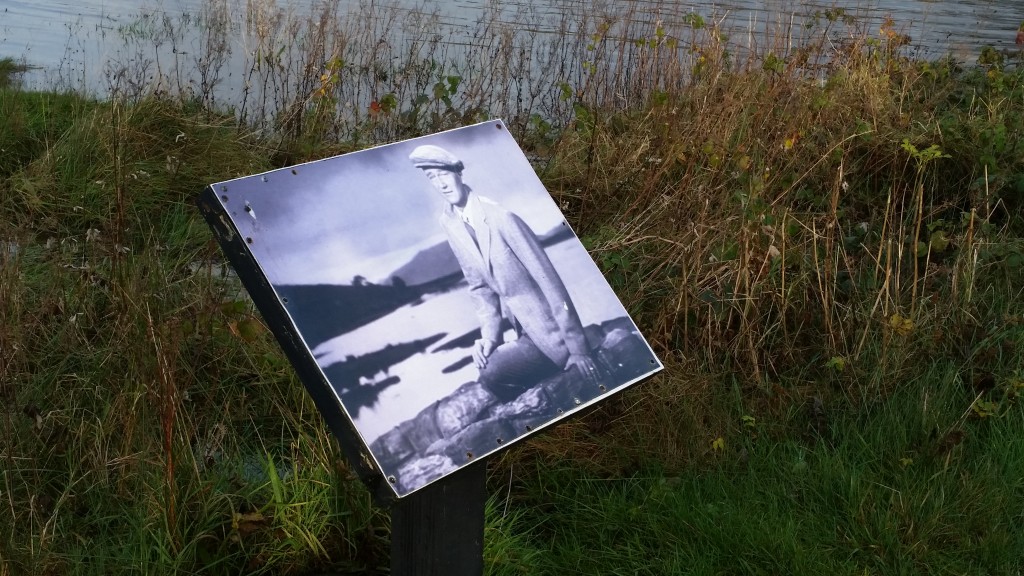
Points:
(9, 69)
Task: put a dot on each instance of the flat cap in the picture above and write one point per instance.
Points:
(430, 156)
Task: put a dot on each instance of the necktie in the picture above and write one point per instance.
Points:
(472, 234)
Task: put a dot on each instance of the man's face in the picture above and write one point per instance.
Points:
(449, 184)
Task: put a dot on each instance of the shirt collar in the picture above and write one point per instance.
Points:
(471, 213)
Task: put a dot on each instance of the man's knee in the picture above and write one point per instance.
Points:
(499, 383)
(513, 369)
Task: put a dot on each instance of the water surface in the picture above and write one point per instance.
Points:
(72, 43)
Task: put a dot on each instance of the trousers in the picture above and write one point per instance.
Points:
(515, 367)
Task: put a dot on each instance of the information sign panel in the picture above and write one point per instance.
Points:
(432, 297)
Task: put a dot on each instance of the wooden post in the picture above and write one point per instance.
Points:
(439, 530)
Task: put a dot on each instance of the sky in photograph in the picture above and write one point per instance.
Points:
(369, 212)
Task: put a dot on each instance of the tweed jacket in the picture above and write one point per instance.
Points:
(510, 275)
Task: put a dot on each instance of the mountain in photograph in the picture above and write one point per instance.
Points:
(438, 261)
(428, 264)
(559, 233)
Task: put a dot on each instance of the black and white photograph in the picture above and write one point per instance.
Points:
(442, 294)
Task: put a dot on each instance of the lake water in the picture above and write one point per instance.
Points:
(69, 42)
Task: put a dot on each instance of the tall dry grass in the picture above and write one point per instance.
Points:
(318, 71)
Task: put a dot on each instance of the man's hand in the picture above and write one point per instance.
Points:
(585, 364)
(482, 348)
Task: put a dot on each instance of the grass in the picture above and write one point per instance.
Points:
(909, 485)
(9, 69)
(821, 239)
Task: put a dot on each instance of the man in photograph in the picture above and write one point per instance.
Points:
(510, 276)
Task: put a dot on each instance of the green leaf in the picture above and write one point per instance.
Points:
(234, 307)
(453, 84)
(837, 363)
(773, 63)
(250, 329)
(440, 91)
(566, 90)
(275, 483)
(938, 241)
